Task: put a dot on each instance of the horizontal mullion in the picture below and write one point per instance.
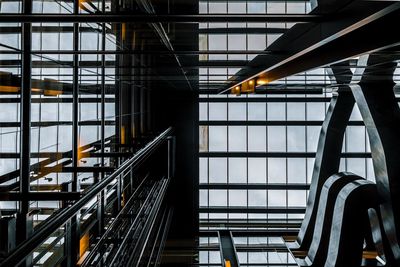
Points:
(56, 100)
(252, 232)
(271, 123)
(243, 186)
(277, 154)
(61, 155)
(216, 89)
(55, 123)
(154, 18)
(263, 99)
(244, 209)
(242, 30)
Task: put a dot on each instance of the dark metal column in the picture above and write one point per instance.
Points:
(125, 92)
(72, 226)
(24, 220)
(100, 197)
(381, 114)
(327, 160)
(75, 100)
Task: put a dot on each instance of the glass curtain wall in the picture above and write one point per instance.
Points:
(257, 151)
(57, 69)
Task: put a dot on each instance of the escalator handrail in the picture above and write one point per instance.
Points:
(53, 223)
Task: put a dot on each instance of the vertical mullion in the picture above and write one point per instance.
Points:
(25, 126)
(75, 97)
(227, 116)
(100, 197)
(72, 226)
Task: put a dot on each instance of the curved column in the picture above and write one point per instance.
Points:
(326, 162)
(319, 246)
(351, 210)
(381, 115)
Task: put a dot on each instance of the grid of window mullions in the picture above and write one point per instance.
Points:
(243, 154)
(223, 150)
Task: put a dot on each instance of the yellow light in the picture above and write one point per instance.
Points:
(262, 81)
(248, 87)
(81, 149)
(123, 31)
(83, 244)
(9, 89)
(236, 90)
(52, 92)
(123, 135)
(81, 3)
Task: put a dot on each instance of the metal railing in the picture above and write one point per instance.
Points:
(63, 216)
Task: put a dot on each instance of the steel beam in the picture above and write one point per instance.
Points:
(263, 210)
(283, 154)
(256, 186)
(39, 196)
(335, 41)
(229, 256)
(154, 18)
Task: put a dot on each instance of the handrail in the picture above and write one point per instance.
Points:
(53, 223)
(101, 241)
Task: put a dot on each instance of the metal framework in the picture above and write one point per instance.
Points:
(269, 101)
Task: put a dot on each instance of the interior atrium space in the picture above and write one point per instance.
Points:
(199, 133)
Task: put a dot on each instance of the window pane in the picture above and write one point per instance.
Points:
(296, 138)
(237, 138)
(257, 138)
(276, 170)
(217, 138)
(237, 170)
(218, 170)
(237, 111)
(257, 170)
(276, 139)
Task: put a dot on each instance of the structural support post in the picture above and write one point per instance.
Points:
(327, 160)
(75, 100)
(24, 220)
(100, 197)
(380, 112)
(381, 115)
(72, 226)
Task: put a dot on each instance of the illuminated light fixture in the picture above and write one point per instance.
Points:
(9, 89)
(236, 90)
(52, 92)
(262, 81)
(249, 87)
(36, 90)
